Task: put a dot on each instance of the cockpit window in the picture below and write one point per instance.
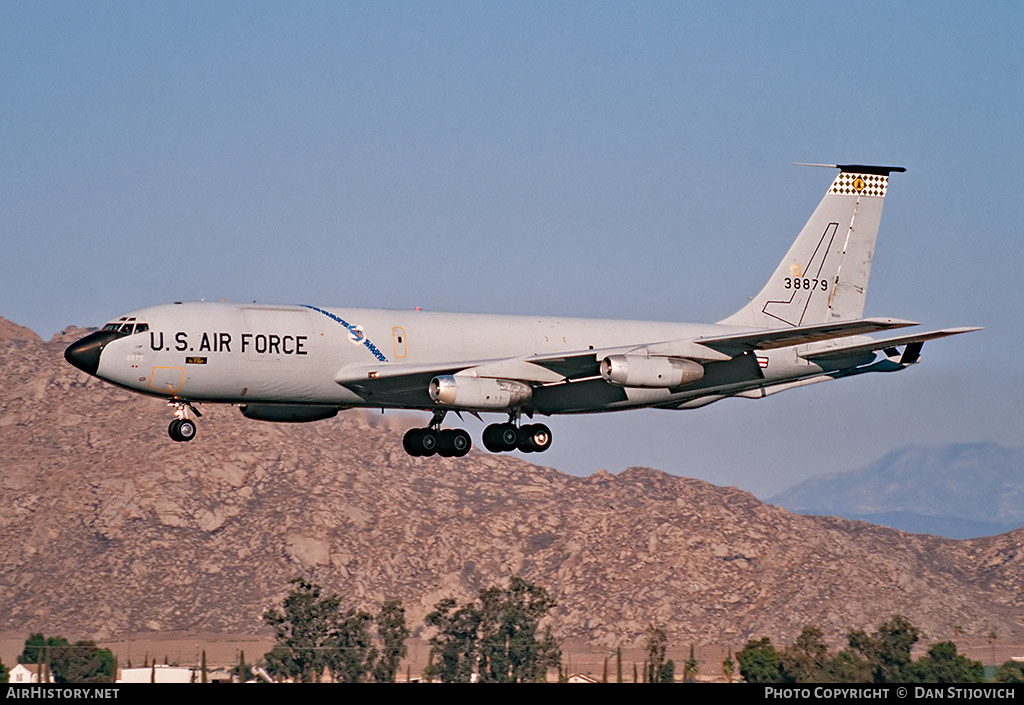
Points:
(127, 328)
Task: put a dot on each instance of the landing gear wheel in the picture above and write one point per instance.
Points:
(420, 442)
(409, 442)
(509, 435)
(488, 438)
(182, 430)
(540, 438)
(186, 429)
(494, 440)
(525, 444)
(501, 437)
(534, 438)
(453, 443)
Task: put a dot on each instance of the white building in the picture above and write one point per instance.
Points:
(160, 674)
(23, 673)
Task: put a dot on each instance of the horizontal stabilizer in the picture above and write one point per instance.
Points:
(799, 335)
(908, 340)
(859, 168)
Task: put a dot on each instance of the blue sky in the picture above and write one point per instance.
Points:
(620, 160)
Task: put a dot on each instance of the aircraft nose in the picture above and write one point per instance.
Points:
(85, 353)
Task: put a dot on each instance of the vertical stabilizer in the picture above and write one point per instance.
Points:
(824, 276)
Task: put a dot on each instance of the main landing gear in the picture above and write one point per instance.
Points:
(529, 438)
(182, 428)
(455, 443)
(448, 443)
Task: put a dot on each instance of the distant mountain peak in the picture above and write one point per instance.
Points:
(968, 489)
(12, 331)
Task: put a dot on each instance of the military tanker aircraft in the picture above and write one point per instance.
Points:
(295, 363)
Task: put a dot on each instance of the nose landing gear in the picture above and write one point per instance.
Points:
(182, 428)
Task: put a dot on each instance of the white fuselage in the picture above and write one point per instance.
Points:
(249, 353)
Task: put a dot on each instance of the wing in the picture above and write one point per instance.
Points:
(407, 384)
(890, 363)
(914, 344)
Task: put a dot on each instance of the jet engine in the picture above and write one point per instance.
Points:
(643, 371)
(288, 413)
(479, 392)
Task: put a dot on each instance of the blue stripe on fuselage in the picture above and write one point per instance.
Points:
(353, 330)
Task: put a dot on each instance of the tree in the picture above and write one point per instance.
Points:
(456, 641)
(805, 661)
(1010, 672)
(759, 662)
(657, 644)
(618, 664)
(392, 633)
(82, 662)
(303, 632)
(3, 673)
(943, 664)
(510, 650)
(38, 648)
(428, 672)
(497, 637)
(728, 667)
(848, 666)
(888, 649)
(314, 634)
(243, 671)
(691, 668)
(350, 652)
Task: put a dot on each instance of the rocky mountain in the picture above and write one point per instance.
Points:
(107, 527)
(958, 491)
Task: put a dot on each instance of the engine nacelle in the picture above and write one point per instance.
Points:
(479, 392)
(643, 371)
(288, 413)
